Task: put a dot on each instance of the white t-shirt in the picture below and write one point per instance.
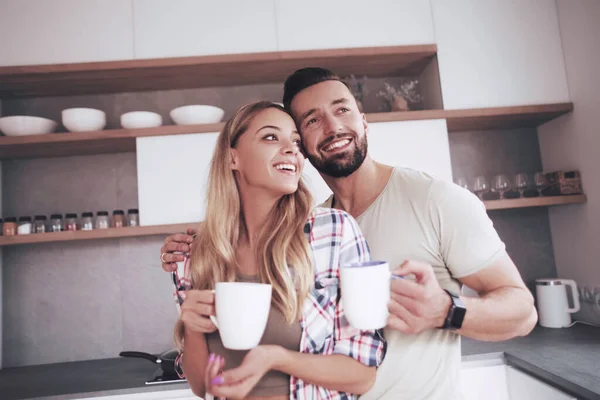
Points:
(418, 217)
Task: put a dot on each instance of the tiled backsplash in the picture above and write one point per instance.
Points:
(91, 299)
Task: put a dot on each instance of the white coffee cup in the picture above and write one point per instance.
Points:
(242, 310)
(366, 293)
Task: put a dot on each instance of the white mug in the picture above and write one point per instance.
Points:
(242, 310)
(366, 293)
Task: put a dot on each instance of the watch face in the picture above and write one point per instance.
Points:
(458, 316)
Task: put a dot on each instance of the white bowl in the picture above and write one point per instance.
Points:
(23, 125)
(197, 114)
(83, 119)
(140, 119)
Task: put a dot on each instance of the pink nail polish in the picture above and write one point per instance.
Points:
(217, 380)
(211, 358)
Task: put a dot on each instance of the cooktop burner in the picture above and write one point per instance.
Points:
(160, 378)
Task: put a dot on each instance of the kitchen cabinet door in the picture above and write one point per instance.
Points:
(172, 175)
(178, 394)
(315, 24)
(182, 28)
(421, 145)
(65, 31)
(524, 386)
(498, 53)
(487, 382)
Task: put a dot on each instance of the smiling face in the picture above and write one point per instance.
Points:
(334, 131)
(267, 155)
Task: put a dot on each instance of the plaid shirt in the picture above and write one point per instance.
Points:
(335, 239)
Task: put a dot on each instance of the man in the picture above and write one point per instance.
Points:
(434, 232)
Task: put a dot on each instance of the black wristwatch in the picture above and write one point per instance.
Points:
(456, 313)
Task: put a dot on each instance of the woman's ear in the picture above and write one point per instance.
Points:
(235, 162)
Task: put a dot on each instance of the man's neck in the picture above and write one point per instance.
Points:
(355, 193)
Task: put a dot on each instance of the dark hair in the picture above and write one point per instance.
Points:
(304, 78)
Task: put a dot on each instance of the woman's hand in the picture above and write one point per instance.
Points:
(177, 242)
(196, 310)
(238, 382)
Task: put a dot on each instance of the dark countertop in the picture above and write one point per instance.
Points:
(566, 358)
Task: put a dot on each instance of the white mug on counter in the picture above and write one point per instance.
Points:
(366, 293)
(552, 304)
(242, 310)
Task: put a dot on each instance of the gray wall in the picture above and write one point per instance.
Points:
(92, 299)
(525, 231)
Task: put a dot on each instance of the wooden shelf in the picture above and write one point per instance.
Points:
(111, 233)
(123, 140)
(534, 202)
(115, 233)
(206, 71)
(504, 117)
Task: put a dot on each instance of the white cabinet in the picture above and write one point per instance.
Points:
(172, 175)
(523, 386)
(488, 383)
(177, 394)
(65, 31)
(497, 53)
(491, 380)
(422, 145)
(317, 24)
(181, 28)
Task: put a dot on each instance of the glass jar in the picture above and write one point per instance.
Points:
(87, 221)
(24, 226)
(133, 217)
(118, 219)
(70, 222)
(39, 224)
(101, 220)
(9, 228)
(56, 223)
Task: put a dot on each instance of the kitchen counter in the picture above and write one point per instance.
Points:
(566, 358)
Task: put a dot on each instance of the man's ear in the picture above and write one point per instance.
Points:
(365, 123)
(235, 161)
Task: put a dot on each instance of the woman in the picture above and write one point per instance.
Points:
(259, 227)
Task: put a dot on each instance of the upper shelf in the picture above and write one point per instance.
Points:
(123, 140)
(206, 71)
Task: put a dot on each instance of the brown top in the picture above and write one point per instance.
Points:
(277, 332)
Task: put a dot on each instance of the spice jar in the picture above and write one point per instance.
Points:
(39, 224)
(71, 222)
(133, 217)
(118, 219)
(9, 228)
(56, 223)
(24, 226)
(101, 220)
(87, 221)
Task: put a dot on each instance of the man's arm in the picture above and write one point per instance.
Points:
(504, 310)
(505, 306)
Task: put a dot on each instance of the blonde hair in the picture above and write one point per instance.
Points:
(283, 254)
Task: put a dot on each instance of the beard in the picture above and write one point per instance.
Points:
(344, 164)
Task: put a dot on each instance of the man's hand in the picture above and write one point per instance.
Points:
(178, 242)
(238, 382)
(196, 310)
(417, 305)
